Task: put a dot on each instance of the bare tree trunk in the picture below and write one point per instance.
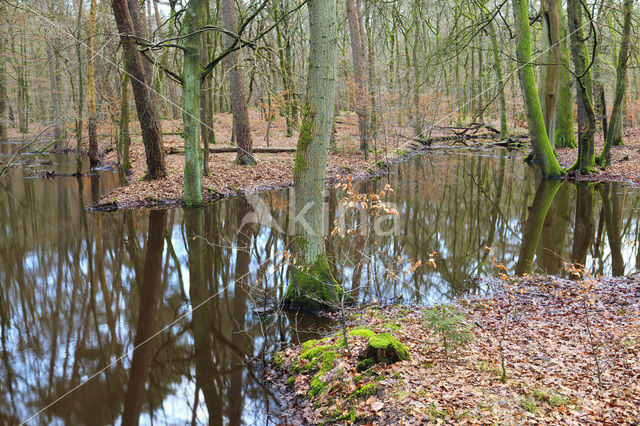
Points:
(237, 92)
(124, 135)
(497, 66)
(53, 81)
(80, 104)
(140, 82)
(358, 72)
(91, 91)
(614, 137)
(3, 87)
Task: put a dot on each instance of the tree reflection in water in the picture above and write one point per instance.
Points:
(80, 290)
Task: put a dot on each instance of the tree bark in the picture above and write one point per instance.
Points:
(3, 88)
(544, 155)
(586, 114)
(80, 104)
(91, 91)
(206, 112)
(192, 71)
(564, 134)
(236, 86)
(550, 72)
(142, 92)
(312, 286)
(614, 136)
(124, 135)
(502, 104)
(358, 72)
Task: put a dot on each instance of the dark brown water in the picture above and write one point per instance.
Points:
(81, 289)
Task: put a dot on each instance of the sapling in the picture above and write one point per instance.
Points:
(450, 325)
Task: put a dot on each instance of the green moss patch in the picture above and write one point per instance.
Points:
(313, 289)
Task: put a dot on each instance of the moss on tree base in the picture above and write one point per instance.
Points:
(382, 347)
(313, 288)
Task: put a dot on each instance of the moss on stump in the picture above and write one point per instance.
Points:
(313, 289)
(382, 347)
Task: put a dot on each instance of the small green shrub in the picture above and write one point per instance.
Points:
(449, 324)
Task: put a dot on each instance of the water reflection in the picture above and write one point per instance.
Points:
(82, 292)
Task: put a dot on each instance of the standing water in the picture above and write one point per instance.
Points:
(196, 292)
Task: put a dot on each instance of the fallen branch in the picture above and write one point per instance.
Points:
(223, 149)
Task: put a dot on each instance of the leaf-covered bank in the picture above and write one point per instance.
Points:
(540, 350)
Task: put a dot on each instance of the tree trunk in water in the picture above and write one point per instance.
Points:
(192, 71)
(533, 227)
(564, 136)
(550, 44)
(91, 91)
(502, 105)
(150, 296)
(584, 227)
(586, 114)
(542, 148)
(611, 210)
(614, 136)
(237, 93)
(125, 135)
(358, 71)
(312, 286)
(140, 83)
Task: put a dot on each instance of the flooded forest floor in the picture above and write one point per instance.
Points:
(273, 170)
(571, 354)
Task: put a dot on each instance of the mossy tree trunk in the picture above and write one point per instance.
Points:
(614, 135)
(584, 88)
(543, 151)
(192, 72)
(312, 286)
(564, 136)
